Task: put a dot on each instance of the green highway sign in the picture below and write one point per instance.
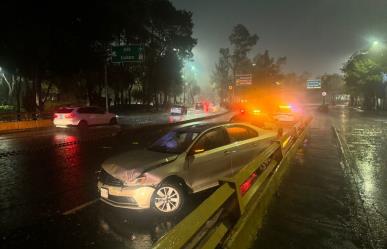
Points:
(127, 53)
(243, 79)
(313, 84)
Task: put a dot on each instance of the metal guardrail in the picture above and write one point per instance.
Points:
(23, 116)
(220, 220)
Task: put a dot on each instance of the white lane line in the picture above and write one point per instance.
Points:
(74, 210)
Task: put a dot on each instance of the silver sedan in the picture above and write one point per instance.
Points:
(187, 159)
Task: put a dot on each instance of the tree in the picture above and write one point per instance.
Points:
(221, 76)
(241, 44)
(67, 49)
(363, 80)
(333, 84)
(267, 70)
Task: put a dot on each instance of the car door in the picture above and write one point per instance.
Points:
(209, 159)
(245, 143)
(84, 114)
(91, 113)
(101, 116)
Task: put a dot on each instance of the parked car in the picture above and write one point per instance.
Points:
(83, 117)
(178, 110)
(187, 159)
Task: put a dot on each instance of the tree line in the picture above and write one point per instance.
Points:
(363, 75)
(266, 71)
(58, 50)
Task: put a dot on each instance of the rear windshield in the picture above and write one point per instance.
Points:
(64, 110)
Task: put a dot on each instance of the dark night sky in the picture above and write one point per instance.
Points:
(317, 36)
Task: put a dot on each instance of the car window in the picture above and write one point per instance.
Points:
(93, 110)
(64, 110)
(83, 110)
(240, 133)
(210, 140)
(99, 110)
(174, 142)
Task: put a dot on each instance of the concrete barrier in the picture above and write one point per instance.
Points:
(24, 125)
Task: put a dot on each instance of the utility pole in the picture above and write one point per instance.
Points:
(184, 93)
(106, 88)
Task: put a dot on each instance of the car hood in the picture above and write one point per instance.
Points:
(129, 165)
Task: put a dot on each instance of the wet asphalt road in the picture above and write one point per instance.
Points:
(48, 173)
(48, 195)
(320, 203)
(366, 136)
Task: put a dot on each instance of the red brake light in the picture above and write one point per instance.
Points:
(55, 116)
(242, 110)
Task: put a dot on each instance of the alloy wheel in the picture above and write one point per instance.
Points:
(167, 199)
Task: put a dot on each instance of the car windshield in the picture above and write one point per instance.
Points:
(174, 142)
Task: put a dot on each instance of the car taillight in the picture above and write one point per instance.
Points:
(242, 111)
(55, 116)
(70, 115)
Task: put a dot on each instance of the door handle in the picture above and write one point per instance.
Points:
(227, 152)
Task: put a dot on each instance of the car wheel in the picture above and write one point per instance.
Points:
(113, 121)
(168, 199)
(83, 125)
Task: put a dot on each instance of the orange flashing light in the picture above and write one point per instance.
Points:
(285, 107)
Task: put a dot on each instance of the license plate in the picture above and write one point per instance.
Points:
(104, 193)
(61, 116)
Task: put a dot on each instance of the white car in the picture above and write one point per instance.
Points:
(178, 110)
(188, 159)
(83, 117)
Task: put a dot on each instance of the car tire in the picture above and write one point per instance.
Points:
(82, 125)
(168, 199)
(113, 121)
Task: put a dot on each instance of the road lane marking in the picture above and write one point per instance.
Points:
(76, 209)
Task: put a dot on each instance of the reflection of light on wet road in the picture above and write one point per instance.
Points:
(69, 173)
(7, 145)
(366, 135)
(64, 138)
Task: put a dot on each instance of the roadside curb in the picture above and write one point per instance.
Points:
(25, 125)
